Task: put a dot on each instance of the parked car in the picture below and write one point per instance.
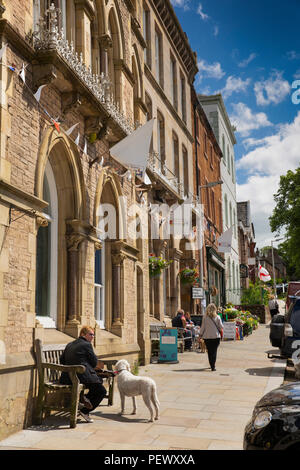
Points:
(285, 329)
(293, 288)
(275, 422)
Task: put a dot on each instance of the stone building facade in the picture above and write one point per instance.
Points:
(207, 171)
(215, 110)
(78, 76)
(170, 67)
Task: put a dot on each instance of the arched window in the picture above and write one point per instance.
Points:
(233, 275)
(46, 256)
(161, 140)
(228, 159)
(223, 149)
(226, 209)
(113, 54)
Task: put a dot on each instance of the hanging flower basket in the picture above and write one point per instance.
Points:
(188, 276)
(157, 264)
(214, 291)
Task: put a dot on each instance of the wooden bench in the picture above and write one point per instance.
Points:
(57, 397)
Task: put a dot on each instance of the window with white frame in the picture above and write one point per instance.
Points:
(99, 286)
(46, 256)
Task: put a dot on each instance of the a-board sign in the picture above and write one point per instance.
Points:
(168, 345)
(197, 292)
(229, 330)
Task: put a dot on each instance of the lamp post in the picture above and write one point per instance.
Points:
(273, 266)
(208, 185)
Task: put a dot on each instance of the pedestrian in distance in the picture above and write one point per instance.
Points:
(80, 352)
(273, 306)
(180, 322)
(210, 331)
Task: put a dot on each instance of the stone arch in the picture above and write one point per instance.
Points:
(109, 190)
(66, 165)
(64, 159)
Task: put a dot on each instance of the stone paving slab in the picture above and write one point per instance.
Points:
(199, 409)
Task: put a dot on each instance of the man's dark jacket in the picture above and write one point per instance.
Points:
(80, 352)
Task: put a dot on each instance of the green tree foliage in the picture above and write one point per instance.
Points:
(255, 294)
(286, 217)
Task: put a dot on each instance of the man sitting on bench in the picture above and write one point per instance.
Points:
(180, 322)
(80, 352)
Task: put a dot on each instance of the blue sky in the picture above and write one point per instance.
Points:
(250, 52)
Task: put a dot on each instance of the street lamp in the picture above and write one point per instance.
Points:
(208, 185)
(273, 265)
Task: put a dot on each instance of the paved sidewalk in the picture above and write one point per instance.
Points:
(200, 409)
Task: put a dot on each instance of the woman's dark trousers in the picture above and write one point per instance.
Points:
(212, 346)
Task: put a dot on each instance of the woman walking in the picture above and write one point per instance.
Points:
(210, 331)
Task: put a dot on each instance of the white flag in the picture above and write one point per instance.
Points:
(2, 51)
(264, 274)
(22, 73)
(224, 241)
(37, 95)
(85, 147)
(133, 150)
(69, 131)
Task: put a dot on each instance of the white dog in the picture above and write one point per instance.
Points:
(130, 385)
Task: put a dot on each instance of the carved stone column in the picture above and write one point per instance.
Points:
(105, 43)
(73, 242)
(175, 282)
(117, 262)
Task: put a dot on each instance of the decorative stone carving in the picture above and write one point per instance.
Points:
(73, 241)
(49, 37)
(42, 221)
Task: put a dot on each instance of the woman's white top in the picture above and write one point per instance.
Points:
(211, 327)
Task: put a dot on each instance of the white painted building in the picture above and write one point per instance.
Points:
(216, 113)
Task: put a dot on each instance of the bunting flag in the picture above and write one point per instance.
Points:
(224, 241)
(77, 139)
(2, 50)
(37, 95)
(69, 131)
(263, 274)
(85, 146)
(56, 125)
(22, 73)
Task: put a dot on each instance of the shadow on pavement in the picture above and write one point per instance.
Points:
(263, 372)
(119, 418)
(192, 370)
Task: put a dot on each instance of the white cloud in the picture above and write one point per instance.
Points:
(297, 74)
(201, 13)
(245, 120)
(210, 70)
(293, 55)
(273, 157)
(247, 61)
(273, 90)
(216, 30)
(185, 4)
(235, 85)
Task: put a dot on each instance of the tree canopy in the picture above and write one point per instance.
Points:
(286, 219)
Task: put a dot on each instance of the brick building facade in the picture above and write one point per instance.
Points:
(207, 162)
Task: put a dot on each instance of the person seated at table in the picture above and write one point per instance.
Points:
(180, 322)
